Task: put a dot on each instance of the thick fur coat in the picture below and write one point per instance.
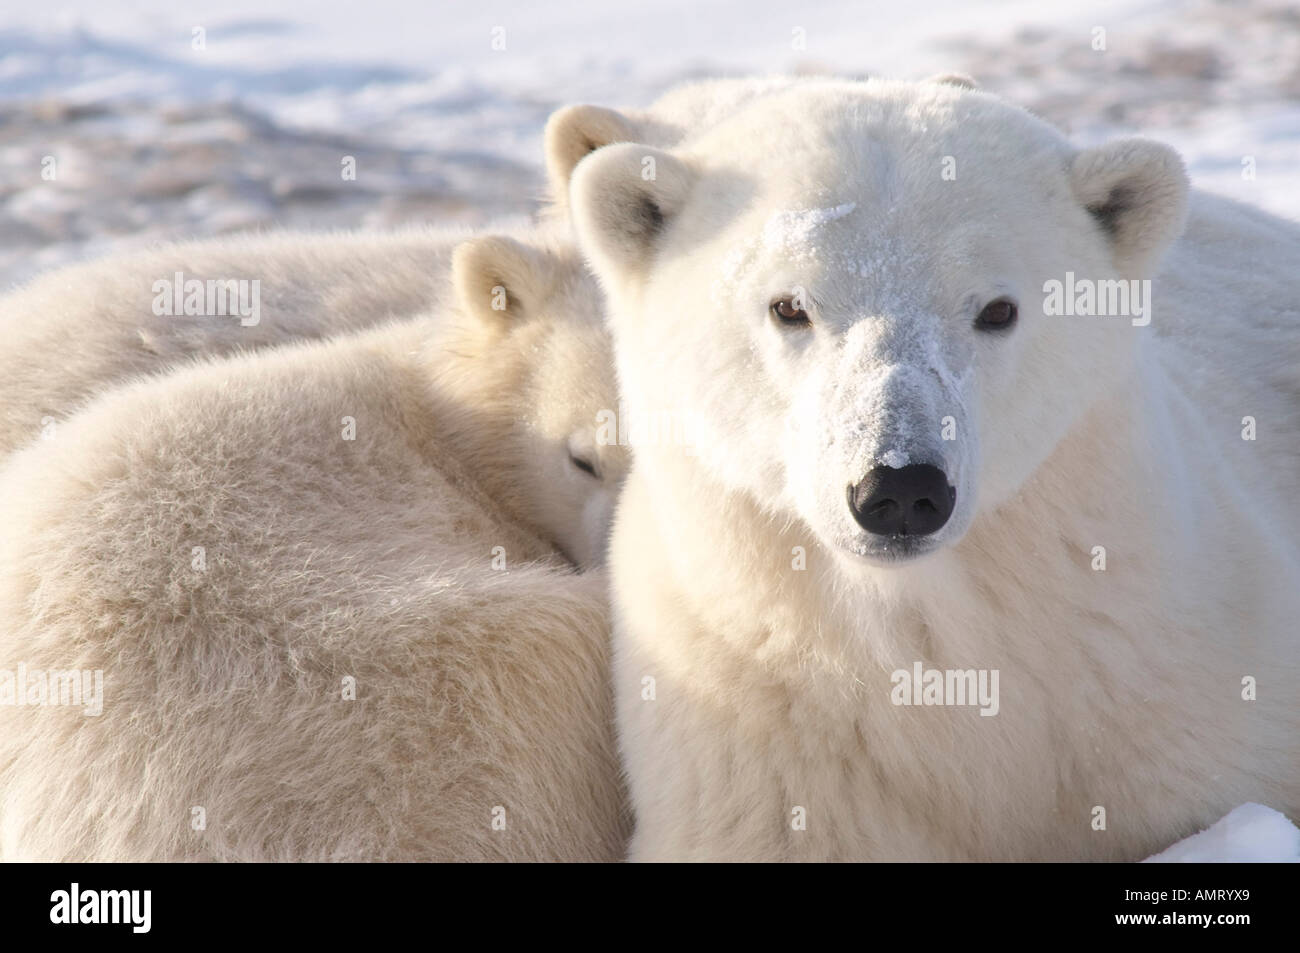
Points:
(813, 274)
(327, 589)
(73, 333)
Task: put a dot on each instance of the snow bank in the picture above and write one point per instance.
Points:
(1251, 833)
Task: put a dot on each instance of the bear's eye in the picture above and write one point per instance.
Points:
(586, 466)
(789, 315)
(997, 315)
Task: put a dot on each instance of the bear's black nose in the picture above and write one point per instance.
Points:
(914, 500)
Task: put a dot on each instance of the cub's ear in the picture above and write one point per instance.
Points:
(573, 132)
(960, 80)
(1136, 191)
(500, 280)
(624, 197)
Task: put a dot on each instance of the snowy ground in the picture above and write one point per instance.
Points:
(1251, 833)
(152, 137)
(155, 135)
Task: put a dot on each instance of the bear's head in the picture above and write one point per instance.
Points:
(527, 364)
(574, 132)
(844, 287)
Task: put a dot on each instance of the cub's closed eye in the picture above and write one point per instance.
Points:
(789, 315)
(586, 466)
(997, 315)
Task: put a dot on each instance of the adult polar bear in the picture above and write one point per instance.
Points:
(573, 132)
(321, 585)
(807, 286)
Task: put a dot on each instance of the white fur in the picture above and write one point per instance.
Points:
(772, 684)
(477, 687)
(74, 332)
(687, 109)
(574, 132)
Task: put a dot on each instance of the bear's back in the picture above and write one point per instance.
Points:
(76, 331)
(238, 546)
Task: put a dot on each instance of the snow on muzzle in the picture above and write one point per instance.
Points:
(900, 482)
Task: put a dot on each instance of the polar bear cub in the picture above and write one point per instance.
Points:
(74, 332)
(324, 596)
(946, 569)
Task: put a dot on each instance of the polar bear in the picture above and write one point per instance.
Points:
(935, 573)
(76, 331)
(316, 595)
(574, 131)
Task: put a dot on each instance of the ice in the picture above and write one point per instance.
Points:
(791, 231)
(897, 459)
(1250, 833)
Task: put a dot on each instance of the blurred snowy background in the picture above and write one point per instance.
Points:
(174, 118)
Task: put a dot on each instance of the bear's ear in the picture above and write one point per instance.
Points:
(572, 133)
(624, 196)
(1136, 191)
(500, 280)
(960, 80)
